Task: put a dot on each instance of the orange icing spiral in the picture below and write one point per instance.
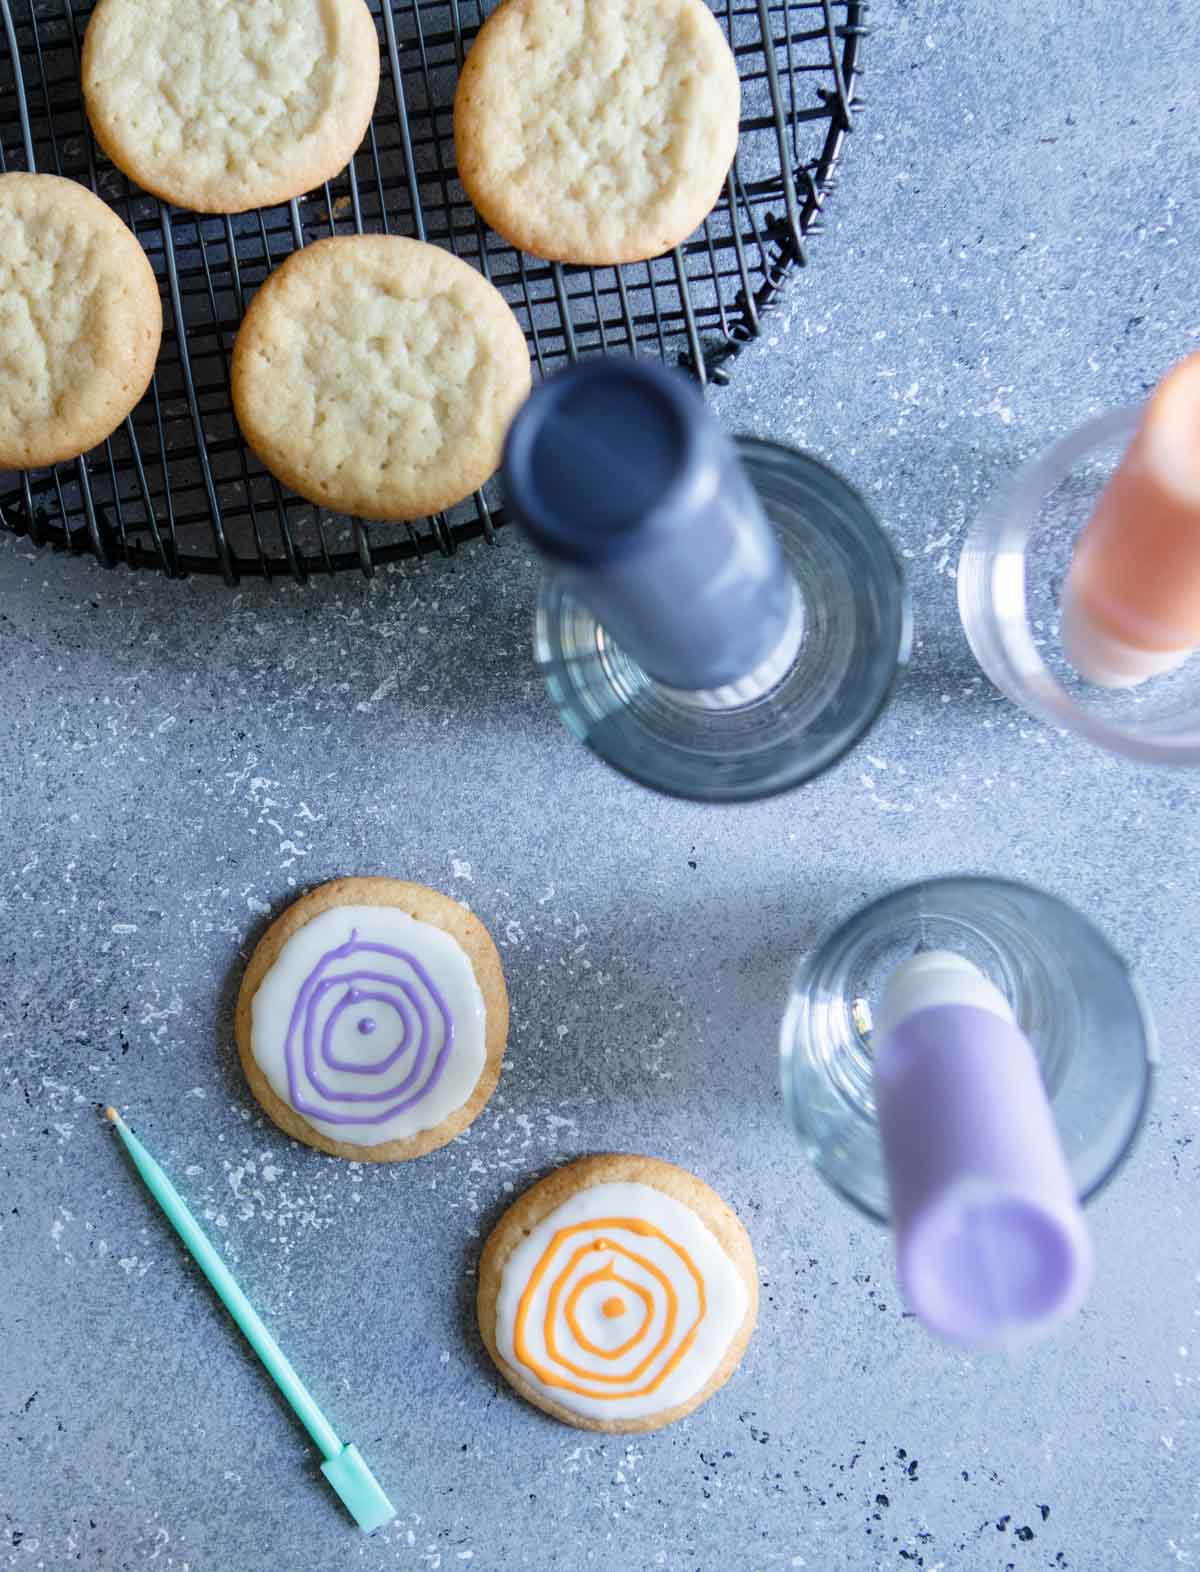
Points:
(659, 1294)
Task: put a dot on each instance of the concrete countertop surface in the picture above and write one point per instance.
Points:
(1014, 246)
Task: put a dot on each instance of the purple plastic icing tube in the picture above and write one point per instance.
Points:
(991, 1247)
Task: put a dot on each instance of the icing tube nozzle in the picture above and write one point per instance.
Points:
(627, 486)
(991, 1246)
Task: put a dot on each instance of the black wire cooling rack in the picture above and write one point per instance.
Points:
(175, 488)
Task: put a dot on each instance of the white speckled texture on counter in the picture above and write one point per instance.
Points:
(1014, 247)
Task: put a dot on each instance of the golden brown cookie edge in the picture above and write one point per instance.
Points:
(447, 914)
(548, 1193)
(81, 437)
(512, 223)
(195, 198)
(280, 462)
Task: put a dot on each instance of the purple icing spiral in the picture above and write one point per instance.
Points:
(397, 1004)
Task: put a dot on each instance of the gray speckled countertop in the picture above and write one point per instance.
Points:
(1015, 246)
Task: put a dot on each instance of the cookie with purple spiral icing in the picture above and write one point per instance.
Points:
(372, 1019)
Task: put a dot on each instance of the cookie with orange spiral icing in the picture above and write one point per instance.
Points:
(618, 1294)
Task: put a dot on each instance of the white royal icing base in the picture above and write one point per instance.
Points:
(725, 1291)
(447, 965)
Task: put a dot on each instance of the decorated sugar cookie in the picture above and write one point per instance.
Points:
(372, 1019)
(618, 1294)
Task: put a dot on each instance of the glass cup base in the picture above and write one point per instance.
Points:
(1072, 996)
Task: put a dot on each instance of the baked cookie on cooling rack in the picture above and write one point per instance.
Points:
(378, 376)
(597, 131)
(618, 1294)
(372, 1019)
(220, 108)
(80, 320)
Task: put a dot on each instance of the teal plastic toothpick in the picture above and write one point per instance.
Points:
(343, 1467)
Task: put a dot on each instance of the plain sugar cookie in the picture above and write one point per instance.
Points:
(618, 1294)
(220, 107)
(597, 131)
(378, 376)
(80, 320)
(372, 1019)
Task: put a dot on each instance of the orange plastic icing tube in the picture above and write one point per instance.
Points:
(1131, 605)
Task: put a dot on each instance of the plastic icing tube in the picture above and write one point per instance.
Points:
(991, 1247)
(1131, 605)
(631, 490)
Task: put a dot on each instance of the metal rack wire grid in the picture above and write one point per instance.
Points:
(175, 488)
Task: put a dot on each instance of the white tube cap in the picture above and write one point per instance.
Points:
(932, 978)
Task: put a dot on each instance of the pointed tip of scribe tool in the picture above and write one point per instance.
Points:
(111, 1114)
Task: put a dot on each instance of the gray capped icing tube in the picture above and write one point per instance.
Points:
(721, 618)
(626, 484)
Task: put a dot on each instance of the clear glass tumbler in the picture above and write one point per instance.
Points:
(854, 634)
(1010, 578)
(1072, 995)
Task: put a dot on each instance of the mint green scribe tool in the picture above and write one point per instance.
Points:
(343, 1467)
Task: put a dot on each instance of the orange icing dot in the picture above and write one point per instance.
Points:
(613, 1307)
(608, 1273)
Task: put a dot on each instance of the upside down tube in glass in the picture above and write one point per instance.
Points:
(720, 619)
(969, 1060)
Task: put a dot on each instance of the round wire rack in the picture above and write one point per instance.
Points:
(175, 488)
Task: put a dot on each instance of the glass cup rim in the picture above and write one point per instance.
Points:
(552, 590)
(1149, 1038)
(1002, 642)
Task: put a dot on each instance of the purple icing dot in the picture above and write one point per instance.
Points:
(366, 1026)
